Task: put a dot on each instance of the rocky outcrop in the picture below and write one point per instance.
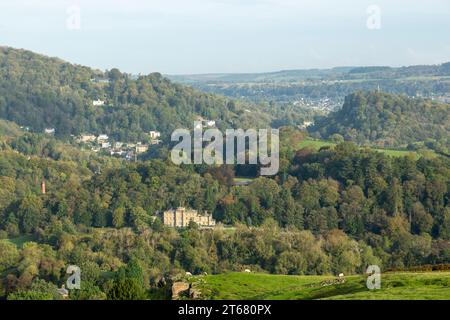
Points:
(340, 280)
(179, 288)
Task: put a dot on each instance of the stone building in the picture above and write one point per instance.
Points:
(181, 217)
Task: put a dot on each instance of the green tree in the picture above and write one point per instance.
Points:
(126, 289)
(118, 217)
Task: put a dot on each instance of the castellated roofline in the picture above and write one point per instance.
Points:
(181, 217)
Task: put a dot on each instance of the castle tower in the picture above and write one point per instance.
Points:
(43, 191)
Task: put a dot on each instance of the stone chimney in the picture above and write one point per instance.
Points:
(43, 191)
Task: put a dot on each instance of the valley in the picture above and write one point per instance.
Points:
(87, 180)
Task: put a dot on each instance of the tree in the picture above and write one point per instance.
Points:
(287, 211)
(30, 213)
(138, 217)
(421, 221)
(337, 138)
(126, 289)
(291, 262)
(9, 255)
(394, 195)
(345, 253)
(118, 217)
(89, 291)
(30, 295)
(128, 283)
(444, 228)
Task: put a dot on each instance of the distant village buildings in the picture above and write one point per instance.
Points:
(102, 138)
(210, 123)
(306, 124)
(321, 104)
(181, 217)
(105, 145)
(87, 138)
(141, 148)
(129, 150)
(100, 80)
(155, 134)
(205, 123)
(443, 99)
(154, 137)
(98, 103)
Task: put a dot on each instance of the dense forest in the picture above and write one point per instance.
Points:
(41, 92)
(335, 210)
(387, 120)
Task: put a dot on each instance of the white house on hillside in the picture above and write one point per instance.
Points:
(102, 137)
(155, 134)
(87, 138)
(210, 123)
(98, 103)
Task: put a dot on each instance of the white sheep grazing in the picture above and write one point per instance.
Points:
(247, 270)
(189, 274)
(341, 275)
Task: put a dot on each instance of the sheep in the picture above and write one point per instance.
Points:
(247, 270)
(188, 274)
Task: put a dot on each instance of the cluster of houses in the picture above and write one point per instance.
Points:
(305, 125)
(320, 104)
(442, 98)
(125, 150)
(204, 123)
(47, 130)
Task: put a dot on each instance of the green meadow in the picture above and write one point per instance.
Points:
(394, 286)
(317, 144)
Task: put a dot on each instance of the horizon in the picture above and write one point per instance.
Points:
(224, 73)
(226, 36)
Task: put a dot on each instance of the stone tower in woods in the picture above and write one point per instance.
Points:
(43, 187)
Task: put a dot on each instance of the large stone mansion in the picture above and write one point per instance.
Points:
(181, 217)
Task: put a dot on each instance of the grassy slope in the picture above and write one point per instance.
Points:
(244, 286)
(317, 144)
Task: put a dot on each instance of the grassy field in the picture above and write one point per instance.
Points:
(243, 179)
(394, 286)
(317, 144)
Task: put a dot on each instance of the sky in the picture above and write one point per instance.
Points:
(229, 36)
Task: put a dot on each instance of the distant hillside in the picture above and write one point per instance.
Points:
(42, 92)
(309, 87)
(276, 76)
(387, 120)
(338, 73)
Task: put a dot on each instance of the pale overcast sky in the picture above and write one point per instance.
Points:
(208, 36)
